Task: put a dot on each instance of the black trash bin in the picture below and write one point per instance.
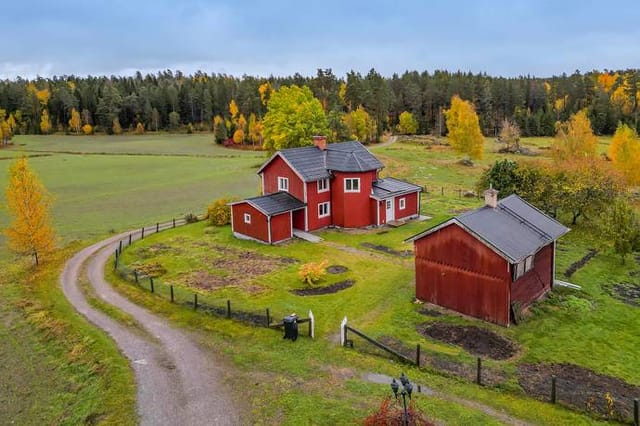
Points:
(290, 327)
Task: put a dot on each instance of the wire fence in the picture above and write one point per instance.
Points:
(180, 295)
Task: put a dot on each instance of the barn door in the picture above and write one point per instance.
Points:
(390, 210)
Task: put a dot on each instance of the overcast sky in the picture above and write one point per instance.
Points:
(509, 38)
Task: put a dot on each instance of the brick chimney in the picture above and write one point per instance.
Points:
(491, 197)
(320, 142)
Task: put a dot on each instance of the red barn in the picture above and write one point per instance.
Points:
(334, 184)
(485, 262)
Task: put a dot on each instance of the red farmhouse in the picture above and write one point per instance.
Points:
(322, 185)
(488, 261)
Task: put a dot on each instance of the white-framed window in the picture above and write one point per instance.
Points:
(247, 218)
(324, 209)
(523, 267)
(323, 185)
(352, 185)
(283, 184)
(402, 203)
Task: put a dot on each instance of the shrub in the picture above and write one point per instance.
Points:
(219, 213)
(87, 129)
(139, 129)
(190, 218)
(313, 272)
(393, 414)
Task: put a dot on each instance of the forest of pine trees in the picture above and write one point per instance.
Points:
(171, 100)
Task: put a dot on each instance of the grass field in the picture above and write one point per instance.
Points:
(104, 183)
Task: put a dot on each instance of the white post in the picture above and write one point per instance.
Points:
(312, 321)
(343, 332)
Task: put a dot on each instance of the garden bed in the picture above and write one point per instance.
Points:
(475, 340)
(580, 263)
(580, 388)
(628, 293)
(387, 250)
(337, 269)
(330, 289)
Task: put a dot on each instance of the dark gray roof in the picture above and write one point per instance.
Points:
(514, 228)
(312, 163)
(278, 202)
(387, 187)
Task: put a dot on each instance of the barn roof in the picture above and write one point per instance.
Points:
(515, 229)
(388, 187)
(273, 204)
(312, 163)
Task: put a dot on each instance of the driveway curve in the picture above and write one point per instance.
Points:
(178, 381)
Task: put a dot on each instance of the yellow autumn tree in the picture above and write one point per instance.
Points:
(625, 153)
(574, 138)
(238, 136)
(87, 129)
(75, 122)
(255, 130)
(464, 128)
(265, 91)
(116, 128)
(233, 110)
(30, 232)
(45, 122)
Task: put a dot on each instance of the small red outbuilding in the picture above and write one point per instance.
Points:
(486, 262)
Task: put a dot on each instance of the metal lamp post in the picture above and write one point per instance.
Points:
(407, 389)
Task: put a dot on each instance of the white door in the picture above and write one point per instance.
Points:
(390, 210)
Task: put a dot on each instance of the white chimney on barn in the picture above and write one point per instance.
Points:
(491, 197)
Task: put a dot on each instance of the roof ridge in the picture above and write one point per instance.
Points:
(524, 221)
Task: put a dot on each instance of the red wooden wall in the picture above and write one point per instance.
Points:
(278, 167)
(256, 229)
(455, 270)
(280, 227)
(535, 283)
(411, 206)
(352, 209)
(313, 199)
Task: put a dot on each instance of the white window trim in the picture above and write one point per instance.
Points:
(326, 185)
(523, 267)
(402, 203)
(351, 180)
(328, 213)
(283, 183)
(247, 218)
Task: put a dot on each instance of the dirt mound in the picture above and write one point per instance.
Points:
(580, 388)
(387, 250)
(475, 340)
(580, 263)
(315, 291)
(337, 269)
(629, 293)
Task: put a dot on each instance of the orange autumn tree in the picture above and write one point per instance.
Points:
(625, 153)
(574, 139)
(30, 232)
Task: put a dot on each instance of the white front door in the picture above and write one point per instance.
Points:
(390, 210)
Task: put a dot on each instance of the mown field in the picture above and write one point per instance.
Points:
(310, 382)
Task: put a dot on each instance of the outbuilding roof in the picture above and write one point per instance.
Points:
(313, 163)
(273, 204)
(390, 187)
(515, 229)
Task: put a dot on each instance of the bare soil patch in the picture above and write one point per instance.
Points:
(337, 269)
(580, 388)
(150, 269)
(475, 340)
(580, 263)
(155, 250)
(233, 267)
(430, 312)
(315, 291)
(629, 293)
(387, 250)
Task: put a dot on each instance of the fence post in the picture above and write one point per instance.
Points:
(228, 308)
(479, 372)
(115, 261)
(171, 289)
(343, 332)
(151, 283)
(312, 325)
(157, 226)
(195, 301)
(268, 318)
(553, 389)
(142, 234)
(442, 190)
(135, 275)
(120, 246)
(174, 222)
(418, 355)
(129, 239)
(636, 416)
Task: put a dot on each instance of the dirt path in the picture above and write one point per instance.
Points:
(178, 382)
(390, 141)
